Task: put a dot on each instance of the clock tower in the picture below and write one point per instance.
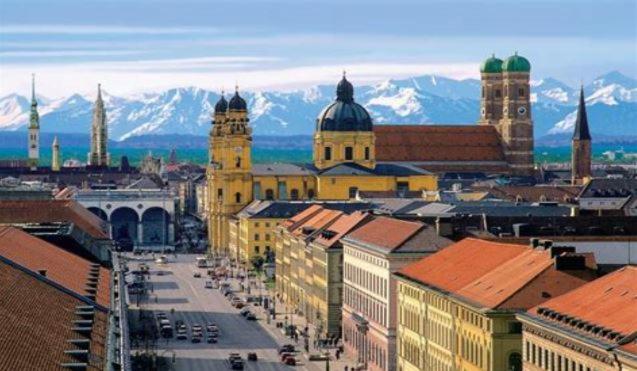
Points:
(34, 129)
(229, 169)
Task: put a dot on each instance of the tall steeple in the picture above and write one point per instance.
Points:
(581, 145)
(55, 155)
(99, 133)
(581, 122)
(34, 129)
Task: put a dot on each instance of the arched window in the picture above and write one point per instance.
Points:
(352, 192)
(349, 153)
(269, 194)
(366, 153)
(238, 163)
(237, 197)
(294, 194)
(310, 194)
(515, 362)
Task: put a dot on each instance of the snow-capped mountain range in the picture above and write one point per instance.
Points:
(611, 102)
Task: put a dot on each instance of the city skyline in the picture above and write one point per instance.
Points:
(308, 43)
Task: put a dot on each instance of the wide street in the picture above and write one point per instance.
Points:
(177, 289)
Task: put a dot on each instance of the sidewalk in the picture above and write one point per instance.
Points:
(300, 322)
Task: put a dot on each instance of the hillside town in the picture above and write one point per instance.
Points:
(398, 248)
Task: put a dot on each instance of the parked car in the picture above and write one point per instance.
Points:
(251, 316)
(195, 339)
(182, 335)
(166, 331)
(252, 356)
(208, 284)
(290, 361)
(211, 340)
(286, 355)
(196, 275)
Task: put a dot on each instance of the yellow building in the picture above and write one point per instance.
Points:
(344, 163)
(456, 308)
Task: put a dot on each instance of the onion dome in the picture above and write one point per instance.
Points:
(516, 63)
(491, 65)
(222, 105)
(344, 114)
(237, 103)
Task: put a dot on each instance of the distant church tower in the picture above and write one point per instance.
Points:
(34, 129)
(229, 169)
(99, 134)
(55, 155)
(506, 104)
(581, 145)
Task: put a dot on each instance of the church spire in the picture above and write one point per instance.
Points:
(581, 122)
(34, 102)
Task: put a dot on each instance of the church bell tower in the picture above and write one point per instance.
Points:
(34, 130)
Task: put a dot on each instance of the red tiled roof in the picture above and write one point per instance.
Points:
(292, 222)
(456, 266)
(318, 221)
(437, 143)
(61, 266)
(52, 211)
(37, 324)
(609, 301)
(388, 233)
(341, 226)
(496, 275)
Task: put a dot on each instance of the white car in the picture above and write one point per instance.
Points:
(208, 284)
(161, 260)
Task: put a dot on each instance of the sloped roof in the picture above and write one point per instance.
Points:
(384, 232)
(533, 193)
(318, 221)
(37, 322)
(61, 266)
(292, 222)
(282, 169)
(609, 301)
(52, 211)
(415, 143)
(340, 227)
(381, 169)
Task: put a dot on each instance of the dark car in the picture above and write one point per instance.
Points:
(286, 348)
(237, 365)
(251, 317)
(195, 339)
(211, 340)
(252, 357)
(290, 361)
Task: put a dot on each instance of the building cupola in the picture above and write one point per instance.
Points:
(237, 103)
(222, 104)
(516, 63)
(344, 114)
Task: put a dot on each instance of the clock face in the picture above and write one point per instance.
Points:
(521, 111)
(484, 112)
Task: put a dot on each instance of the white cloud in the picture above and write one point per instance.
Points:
(94, 30)
(66, 53)
(63, 80)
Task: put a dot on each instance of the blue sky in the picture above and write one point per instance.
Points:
(133, 46)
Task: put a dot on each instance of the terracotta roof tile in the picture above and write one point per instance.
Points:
(318, 221)
(61, 266)
(52, 211)
(340, 227)
(384, 232)
(609, 301)
(437, 143)
(37, 324)
(292, 222)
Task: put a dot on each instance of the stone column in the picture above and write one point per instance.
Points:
(140, 233)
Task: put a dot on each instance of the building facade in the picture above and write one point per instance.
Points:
(371, 254)
(590, 328)
(55, 155)
(99, 156)
(457, 307)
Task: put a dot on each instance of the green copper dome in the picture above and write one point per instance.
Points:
(516, 63)
(491, 65)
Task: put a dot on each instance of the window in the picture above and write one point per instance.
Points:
(521, 92)
(256, 190)
(237, 197)
(220, 192)
(515, 362)
(310, 194)
(238, 162)
(256, 237)
(283, 192)
(328, 153)
(515, 328)
(352, 192)
(349, 153)
(267, 237)
(366, 153)
(256, 249)
(269, 194)
(294, 194)
(498, 94)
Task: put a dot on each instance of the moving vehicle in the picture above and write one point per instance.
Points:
(289, 348)
(202, 262)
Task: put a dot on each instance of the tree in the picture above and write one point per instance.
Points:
(257, 262)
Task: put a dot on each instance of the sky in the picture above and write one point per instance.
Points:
(134, 46)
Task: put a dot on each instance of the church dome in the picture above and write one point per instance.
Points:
(237, 103)
(344, 114)
(491, 65)
(222, 105)
(516, 63)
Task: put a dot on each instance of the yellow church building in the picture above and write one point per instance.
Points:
(344, 162)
